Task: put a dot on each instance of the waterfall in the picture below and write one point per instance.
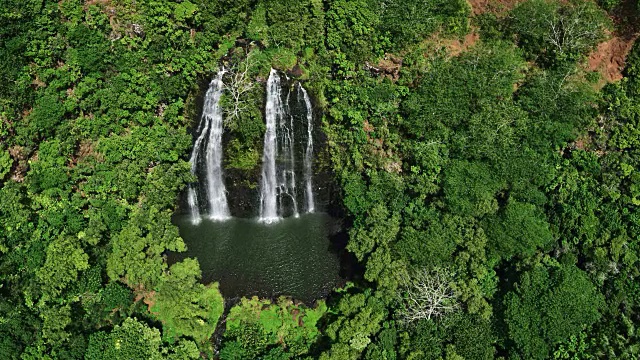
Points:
(287, 180)
(278, 195)
(211, 124)
(216, 192)
(268, 185)
(192, 198)
(308, 152)
(192, 195)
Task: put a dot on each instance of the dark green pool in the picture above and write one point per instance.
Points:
(291, 257)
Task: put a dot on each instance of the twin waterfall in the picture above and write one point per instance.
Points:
(278, 186)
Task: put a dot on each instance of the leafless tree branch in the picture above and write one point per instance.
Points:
(427, 295)
(238, 84)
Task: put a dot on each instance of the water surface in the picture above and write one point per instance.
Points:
(291, 257)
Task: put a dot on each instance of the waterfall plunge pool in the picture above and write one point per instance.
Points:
(293, 257)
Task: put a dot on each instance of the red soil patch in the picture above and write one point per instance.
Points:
(147, 297)
(389, 66)
(150, 300)
(456, 47)
(94, 2)
(20, 164)
(493, 6)
(609, 58)
(85, 150)
(367, 127)
(453, 46)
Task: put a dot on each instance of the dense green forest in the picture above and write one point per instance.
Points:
(488, 177)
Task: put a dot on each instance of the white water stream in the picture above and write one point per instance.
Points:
(210, 137)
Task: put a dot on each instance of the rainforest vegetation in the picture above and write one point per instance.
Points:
(488, 177)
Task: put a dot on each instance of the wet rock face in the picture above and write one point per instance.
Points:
(243, 192)
(295, 72)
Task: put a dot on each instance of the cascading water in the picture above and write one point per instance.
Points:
(287, 178)
(193, 194)
(192, 198)
(278, 195)
(211, 125)
(308, 152)
(268, 184)
(216, 192)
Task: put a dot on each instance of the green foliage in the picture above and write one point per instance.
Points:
(243, 115)
(184, 11)
(473, 338)
(557, 32)
(482, 162)
(260, 328)
(186, 307)
(136, 254)
(351, 30)
(242, 157)
(5, 163)
(16, 226)
(557, 105)
(95, 120)
(520, 229)
(549, 305)
(46, 115)
(292, 23)
(131, 340)
(428, 240)
(257, 27)
(609, 4)
(109, 304)
(357, 317)
(453, 90)
(411, 22)
(576, 347)
(283, 58)
(467, 336)
(471, 189)
(65, 258)
(55, 320)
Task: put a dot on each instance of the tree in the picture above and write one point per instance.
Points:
(65, 259)
(409, 22)
(557, 31)
(186, 307)
(133, 340)
(519, 229)
(5, 163)
(547, 306)
(351, 29)
(136, 251)
(239, 85)
(261, 329)
(427, 294)
(470, 188)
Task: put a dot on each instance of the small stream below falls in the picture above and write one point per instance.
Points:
(293, 256)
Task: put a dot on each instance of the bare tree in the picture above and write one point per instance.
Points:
(427, 295)
(238, 84)
(573, 31)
